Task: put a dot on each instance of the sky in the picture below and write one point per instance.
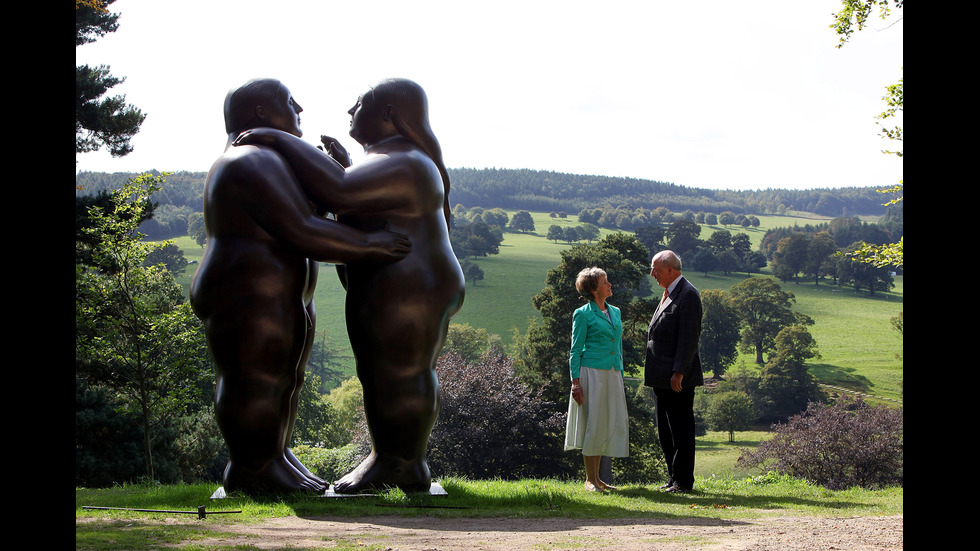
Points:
(711, 94)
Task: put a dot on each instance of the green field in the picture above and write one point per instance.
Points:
(853, 332)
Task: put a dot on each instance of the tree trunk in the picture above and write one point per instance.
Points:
(147, 441)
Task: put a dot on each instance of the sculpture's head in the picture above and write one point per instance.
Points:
(392, 106)
(262, 103)
(397, 106)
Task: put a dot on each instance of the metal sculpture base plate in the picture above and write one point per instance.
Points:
(435, 489)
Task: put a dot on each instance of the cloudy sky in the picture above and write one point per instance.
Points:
(711, 94)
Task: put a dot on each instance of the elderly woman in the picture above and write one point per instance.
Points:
(597, 418)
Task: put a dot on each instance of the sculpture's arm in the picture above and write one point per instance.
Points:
(273, 198)
(382, 182)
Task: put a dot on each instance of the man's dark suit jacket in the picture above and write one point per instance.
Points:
(672, 342)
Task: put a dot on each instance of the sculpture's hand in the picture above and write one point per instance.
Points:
(258, 136)
(336, 151)
(388, 246)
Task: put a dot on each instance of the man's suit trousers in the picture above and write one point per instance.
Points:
(675, 425)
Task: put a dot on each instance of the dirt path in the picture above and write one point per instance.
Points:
(499, 534)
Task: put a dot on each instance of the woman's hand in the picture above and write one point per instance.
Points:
(577, 393)
(336, 151)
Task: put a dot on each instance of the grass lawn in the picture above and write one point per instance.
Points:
(715, 456)
(853, 331)
(716, 497)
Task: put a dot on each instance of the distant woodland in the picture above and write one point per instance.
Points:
(535, 190)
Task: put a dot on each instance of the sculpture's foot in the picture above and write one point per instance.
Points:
(278, 476)
(298, 465)
(378, 472)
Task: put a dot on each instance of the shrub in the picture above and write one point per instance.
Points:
(731, 411)
(108, 441)
(838, 446)
(329, 463)
(492, 425)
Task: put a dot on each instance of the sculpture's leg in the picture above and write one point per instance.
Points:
(294, 402)
(400, 413)
(255, 359)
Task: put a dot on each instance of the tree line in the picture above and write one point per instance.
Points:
(641, 202)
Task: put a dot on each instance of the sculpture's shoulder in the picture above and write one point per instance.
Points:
(250, 163)
(408, 156)
(247, 169)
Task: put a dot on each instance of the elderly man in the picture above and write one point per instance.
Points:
(673, 367)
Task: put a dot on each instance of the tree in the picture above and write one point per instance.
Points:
(819, 252)
(169, 256)
(731, 411)
(195, 228)
(475, 238)
(720, 241)
(326, 362)
(785, 380)
(589, 232)
(682, 237)
(522, 221)
(542, 353)
(134, 332)
(863, 274)
(347, 402)
(470, 343)
(718, 346)
(100, 121)
(704, 261)
(728, 262)
(495, 217)
(555, 233)
(570, 235)
(652, 238)
(741, 246)
(765, 309)
(853, 16)
(316, 420)
(472, 272)
(790, 257)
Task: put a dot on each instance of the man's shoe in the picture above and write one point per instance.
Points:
(674, 488)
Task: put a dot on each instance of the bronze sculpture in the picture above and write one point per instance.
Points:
(254, 290)
(398, 313)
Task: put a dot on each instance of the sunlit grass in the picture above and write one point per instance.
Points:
(714, 495)
(852, 330)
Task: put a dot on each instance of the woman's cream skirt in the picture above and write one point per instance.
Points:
(600, 426)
